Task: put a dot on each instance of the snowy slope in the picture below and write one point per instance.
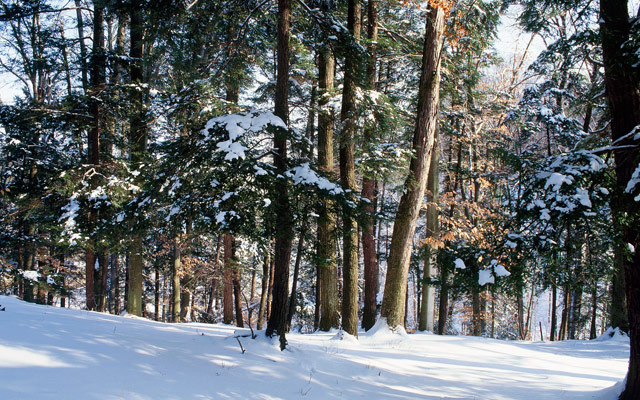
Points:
(53, 353)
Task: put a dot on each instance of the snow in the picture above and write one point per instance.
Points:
(633, 182)
(485, 276)
(459, 264)
(556, 180)
(53, 353)
(500, 270)
(304, 174)
(30, 275)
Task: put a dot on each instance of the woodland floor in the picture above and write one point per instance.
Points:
(53, 353)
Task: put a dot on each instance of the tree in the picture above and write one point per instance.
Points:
(621, 80)
(405, 221)
(284, 220)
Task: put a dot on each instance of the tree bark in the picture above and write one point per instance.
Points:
(237, 288)
(83, 47)
(327, 267)
(228, 280)
(432, 236)
(348, 177)
(175, 280)
(369, 185)
(284, 221)
(296, 273)
(621, 82)
(138, 142)
(265, 288)
(414, 187)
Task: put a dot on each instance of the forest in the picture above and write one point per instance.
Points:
(316, 165)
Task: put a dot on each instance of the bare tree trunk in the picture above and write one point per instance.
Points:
(431, 237)
(138, 147)
(176, 273)
(327, 269)
(265, 287)
(296, 273)
(348, 176)
(284, 221)
(594, 312)
(83, 47)
(228, 280)
(214, 280)
(554, 316)
(369, 184)
(405, 221)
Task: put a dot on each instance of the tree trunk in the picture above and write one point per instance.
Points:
(265, 288)
(369, 184)
(554, 314)
(348, 176)
(594, 312)
(432, 232)
(102, 287)
(327, 269)
(284, 220)
(176, 273)
(618, 315)
(228, 280)
(156, 293)
(83, 47)
(93, 157)
(443, 301)
(414, 187)
(296, 273)
(621, 82)
(237, 288)
(138, 142)
(214, 280)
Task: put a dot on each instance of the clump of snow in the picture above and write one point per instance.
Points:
(459, 264)
(556, 180)
(485, 276)
(381, 334)
(344, 336)
(30, 275)
(613, 334)
(634, 182)
(304, 174)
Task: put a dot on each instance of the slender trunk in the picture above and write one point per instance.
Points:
(90, 262)
(405, 221)
(214, 281)
(228, 280)
(475, 301)
(431, 238)
(156, 293)
(284, 220)
(443, 301)
(329, 316)
(102, 288)
(296, 273)
(348, 176)
(237, 288)
(83, 47)
(265, 288)
(594, 312)
(554, 316)
(116, 285)
(176, 273)
(369, 184)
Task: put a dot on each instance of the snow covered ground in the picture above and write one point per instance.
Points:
(53, 353)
